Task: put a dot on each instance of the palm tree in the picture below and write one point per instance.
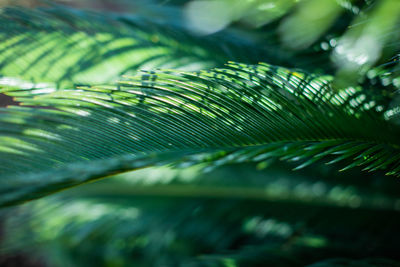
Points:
(217, 123)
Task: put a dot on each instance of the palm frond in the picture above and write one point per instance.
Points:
(239, 113)
(198, 156)
(66, 46)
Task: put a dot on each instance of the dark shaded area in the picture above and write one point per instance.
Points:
(6, 100)
(16, 259)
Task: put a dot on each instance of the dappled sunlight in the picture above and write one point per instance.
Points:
(224, 133)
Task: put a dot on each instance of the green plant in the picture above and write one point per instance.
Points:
(74, 123)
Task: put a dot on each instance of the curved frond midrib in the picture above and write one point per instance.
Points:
(237, 114)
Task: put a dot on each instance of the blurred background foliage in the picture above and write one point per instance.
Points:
(234, 215)
(231, 215)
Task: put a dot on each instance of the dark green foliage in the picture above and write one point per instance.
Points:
(222, 126)
(232, 214)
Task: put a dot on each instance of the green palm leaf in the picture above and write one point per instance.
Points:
(239, 113)
(66, 46)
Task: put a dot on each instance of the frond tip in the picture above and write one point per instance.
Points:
(249, 112)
